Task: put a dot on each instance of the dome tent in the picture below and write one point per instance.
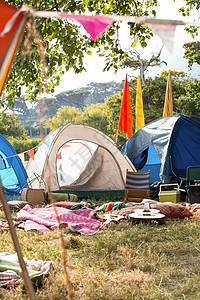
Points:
(82, 161)
(12, 172)
(166, 146)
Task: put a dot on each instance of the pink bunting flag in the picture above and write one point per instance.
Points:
(94, 25)
(21, 156)
(31, 153)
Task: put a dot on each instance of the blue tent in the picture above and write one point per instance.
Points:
(12, 172)
(166, 146)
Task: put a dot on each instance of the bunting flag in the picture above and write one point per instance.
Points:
(65, 146)
(94, 25)
(12, 25)
(59, 156)
(126, 117)
(31, 153)
(166, 32)
(139, 112)
(168, 106)
(47, 142)
(13, 22)
(21, 156)
(60, 168)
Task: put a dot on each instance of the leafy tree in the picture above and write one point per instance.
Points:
(11, 129)
(63, 116)
(10, 126)
(95, 116)
(185, 10)
(105, 116)
(192, 53)
(135, 62)
(65, 44)
(23, 145)
(189, 103)
(154, 93)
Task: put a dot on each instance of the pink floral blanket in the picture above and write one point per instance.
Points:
(44, 219)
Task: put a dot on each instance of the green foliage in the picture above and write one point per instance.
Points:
(64, 115)
(65, 42)
(23, 145)
(93, 115)
(11, 129)
(154, 93)
(190, 5)
(192, 53)
(105, 116)
(10, 126)
(189, 103)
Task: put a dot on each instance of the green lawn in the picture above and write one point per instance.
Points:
(124, 261)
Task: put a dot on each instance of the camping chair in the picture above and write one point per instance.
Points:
(193, 184)
(137, 186)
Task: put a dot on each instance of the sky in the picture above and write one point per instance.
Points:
(94, 64)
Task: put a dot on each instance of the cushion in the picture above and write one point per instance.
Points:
(16, 205)
(170, 210)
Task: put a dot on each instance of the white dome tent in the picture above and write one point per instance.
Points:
(81, 160)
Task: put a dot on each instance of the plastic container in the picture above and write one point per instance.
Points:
(169, 193)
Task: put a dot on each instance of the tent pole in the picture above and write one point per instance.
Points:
(25, 275)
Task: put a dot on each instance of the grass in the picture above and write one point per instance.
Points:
(124, 261)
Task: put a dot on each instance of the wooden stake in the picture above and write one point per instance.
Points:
(27, 281)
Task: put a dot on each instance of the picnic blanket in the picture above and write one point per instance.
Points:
(44, 219)
(10, 270)
(111, 206)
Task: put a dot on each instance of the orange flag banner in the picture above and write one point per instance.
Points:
(12, 24)
(168, 106)
(31, 153)
(139, 112)
(126, 116)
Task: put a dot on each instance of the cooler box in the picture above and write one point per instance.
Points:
(169, 193)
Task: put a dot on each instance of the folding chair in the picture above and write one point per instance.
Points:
(137, 186)
(193, 184)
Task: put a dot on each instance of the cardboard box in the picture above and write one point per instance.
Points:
(169, 193)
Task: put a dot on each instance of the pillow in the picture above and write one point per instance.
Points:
(170, 210)
(16, 205)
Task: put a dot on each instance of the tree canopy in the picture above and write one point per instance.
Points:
(192, 53)
(105, 116)
(65, 43)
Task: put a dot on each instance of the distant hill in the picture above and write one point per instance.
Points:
(92, 93)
